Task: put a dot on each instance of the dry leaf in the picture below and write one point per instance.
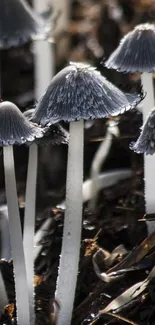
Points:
(10, 309)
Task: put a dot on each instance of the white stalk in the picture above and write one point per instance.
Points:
(149, 161)
(43, 73)
(29, 224)
(44, 56)
(22, 297)
(98, 160)
(69, 259)
(5, 235)
(39, 235)
(104, 180)
(5, 243)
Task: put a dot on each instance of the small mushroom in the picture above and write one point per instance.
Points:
(75, 94)
(16, 130)
(136, 53)
(55, 135)
(18, 23)
(146, 141)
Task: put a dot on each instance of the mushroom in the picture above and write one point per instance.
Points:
(136, 53)
(146, 141)
(54, 134)
(75, 94)
(16, 130)
(43, 72)
(18, 23)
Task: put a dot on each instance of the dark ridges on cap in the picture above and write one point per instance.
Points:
(146, 141)
(136, 52)
(18, 23)
(80, 92)
(54, 134)
(14, 127)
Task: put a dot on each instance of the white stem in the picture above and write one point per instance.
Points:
(44, 56)
(5, 242)
(22, 297)
(5, 235)
(149, 161)
(43, 74)
(104, 180)
(69, 259)
(29, 223)
(97, 162)
(39, 235)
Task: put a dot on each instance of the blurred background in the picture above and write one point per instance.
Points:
(84, 31)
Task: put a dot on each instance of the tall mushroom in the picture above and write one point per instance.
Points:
(75, 94)
(18, 25)
(42, 74)
(16, 130)
(136, 53)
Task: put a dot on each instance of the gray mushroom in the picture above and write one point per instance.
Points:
(19, 23)
(146, 141)
(80, 92)
(55, 135)
(75, 94)
(136, 53)
(16, 130)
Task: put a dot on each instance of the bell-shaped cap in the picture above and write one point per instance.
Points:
(14, 127)
(54, 134)
(136, 51)
(80, 92)
(18, 23)
(146, 141)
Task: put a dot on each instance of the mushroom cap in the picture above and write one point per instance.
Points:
(146, 141)
(53, 134)
(136, 51)
(14, 127)
(80, 92)
(18, 23)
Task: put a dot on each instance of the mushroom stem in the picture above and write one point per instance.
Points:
(149, 161)
(29, 224)
(44, 56)
(5, 235)
(22, 297)
(69, 259)
(97, 162)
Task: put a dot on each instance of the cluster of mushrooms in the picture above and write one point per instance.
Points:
(136, 54)
(77, 93)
